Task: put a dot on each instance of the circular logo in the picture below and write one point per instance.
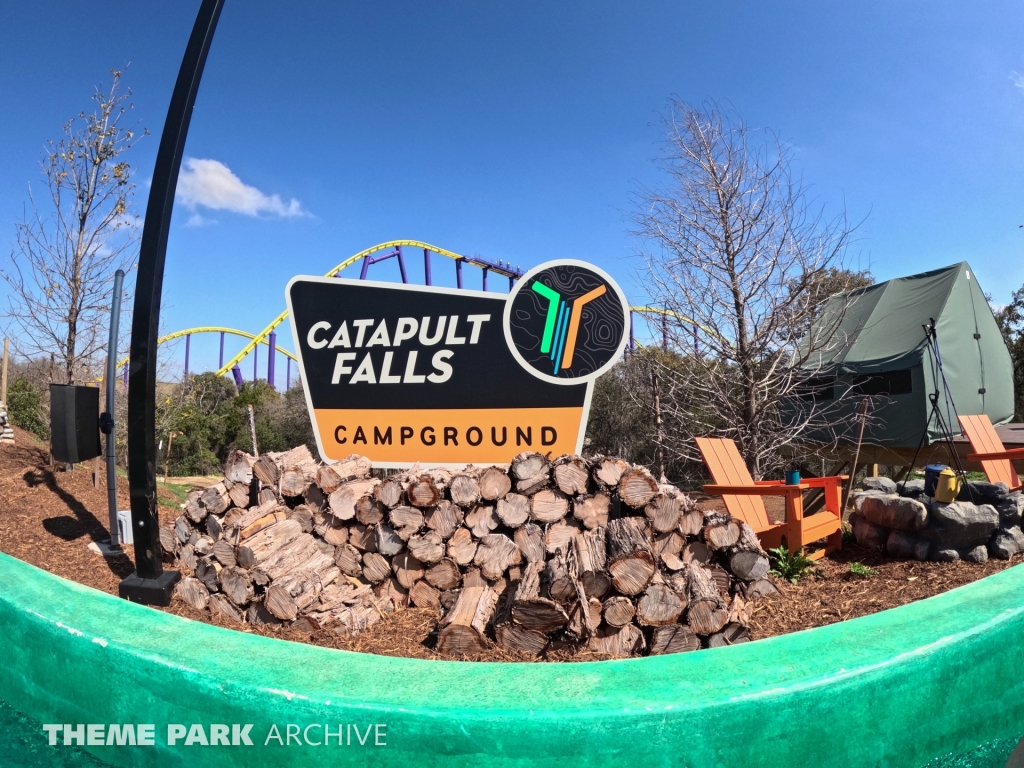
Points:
(566, 322)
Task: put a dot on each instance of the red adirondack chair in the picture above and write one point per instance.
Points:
(743, 499)
(994, 458)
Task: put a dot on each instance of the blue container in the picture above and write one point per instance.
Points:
(931, 477)
(792, 477)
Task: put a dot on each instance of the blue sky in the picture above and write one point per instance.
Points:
(519, 131)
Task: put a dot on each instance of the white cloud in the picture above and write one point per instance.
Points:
(198, 220)
(211, 184)
(1017, 79)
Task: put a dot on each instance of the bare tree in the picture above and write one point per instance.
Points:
(60, 274)
(740, 255)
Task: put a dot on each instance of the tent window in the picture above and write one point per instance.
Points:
(817, 389)
(887, 383)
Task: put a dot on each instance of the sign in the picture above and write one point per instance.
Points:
(405, 374)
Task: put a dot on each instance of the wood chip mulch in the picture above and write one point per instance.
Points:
(49, 516)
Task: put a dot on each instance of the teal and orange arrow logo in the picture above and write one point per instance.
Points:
(562, 323)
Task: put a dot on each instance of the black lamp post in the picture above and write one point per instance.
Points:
(150, 583)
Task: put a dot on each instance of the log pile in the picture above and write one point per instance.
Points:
(534, 556)
(6, 433)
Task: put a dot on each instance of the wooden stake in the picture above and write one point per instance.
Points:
(3, 375)
(658, 426)
(856, 455)
(252, 431)
(167, 456)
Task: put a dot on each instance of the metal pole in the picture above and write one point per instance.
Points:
(366, 266)
(288, 374)
(236, 373)
(458, 272)
(107, 424)
(401, 263)
(632, 340)
(485, 278)
(255, 362)
(150, 583)
(270, 360)
(426, 264)
(220, 362)
(664, 332)
(188, 344)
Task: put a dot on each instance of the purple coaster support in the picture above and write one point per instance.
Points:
(664, 332)
(288, 374)
(632, 339)
(401, 263)
(236, 372)
(188, 343)
(270, 360)
(426, 264)
(458, 272)
(366, 266)
(255, 362)
(221, 363)
(485, 270)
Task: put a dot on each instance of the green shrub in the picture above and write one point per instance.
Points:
(848, 538)
(26, 408)
(791, 566)
(859, 569)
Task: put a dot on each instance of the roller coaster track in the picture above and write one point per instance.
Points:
(267, 336)
(187, 334)
(665, 314)
(500, 268)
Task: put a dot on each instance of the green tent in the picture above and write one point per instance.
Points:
(877, 348)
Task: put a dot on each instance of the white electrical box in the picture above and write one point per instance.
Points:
(124, 527)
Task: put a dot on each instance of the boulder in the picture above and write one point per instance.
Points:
(945, 555)
(868, 535)
(857, 497)
(1002, 546)
(1017, 534)
(895, 512)
(883, 484)
(911, 488)
(961, 525)
(983, 493)
(977, 555)
(901, 544)
(921, 550)
(1011, 509)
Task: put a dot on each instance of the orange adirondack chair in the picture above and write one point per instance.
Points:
(743, 499)
(994, 458)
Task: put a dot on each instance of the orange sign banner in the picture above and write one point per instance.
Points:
(461, 435)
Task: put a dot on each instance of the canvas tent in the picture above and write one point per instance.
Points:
(878, 349)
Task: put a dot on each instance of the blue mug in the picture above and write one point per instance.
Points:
(792, 477)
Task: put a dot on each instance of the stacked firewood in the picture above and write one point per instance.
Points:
(6, 433)
(533, 556)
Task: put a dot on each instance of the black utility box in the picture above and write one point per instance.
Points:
(74, 423)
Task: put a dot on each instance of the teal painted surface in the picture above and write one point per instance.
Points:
(917, 685)
(22, 747)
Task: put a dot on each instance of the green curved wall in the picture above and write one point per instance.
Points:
(911, 686)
